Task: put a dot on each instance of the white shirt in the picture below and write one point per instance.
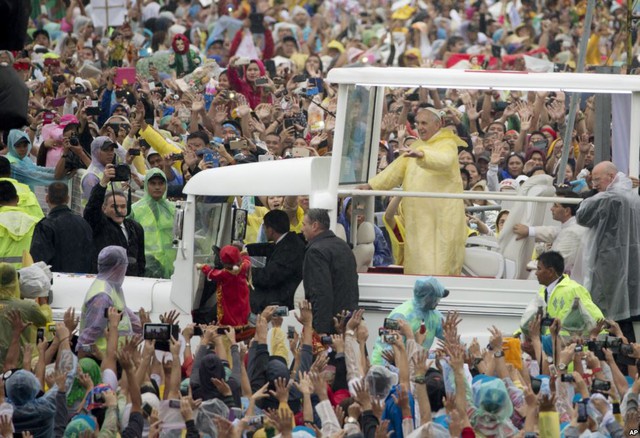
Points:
(281, 237)
(551, 287)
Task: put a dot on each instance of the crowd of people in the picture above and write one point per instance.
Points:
(113, 108)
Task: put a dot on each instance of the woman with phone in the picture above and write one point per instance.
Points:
(251, 83)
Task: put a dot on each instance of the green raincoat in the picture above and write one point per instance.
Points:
(156, 217)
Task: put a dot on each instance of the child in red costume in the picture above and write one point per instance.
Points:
(232, 291)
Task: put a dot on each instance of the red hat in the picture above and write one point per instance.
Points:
(230, 255)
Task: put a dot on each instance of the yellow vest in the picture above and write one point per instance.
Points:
(124, 327)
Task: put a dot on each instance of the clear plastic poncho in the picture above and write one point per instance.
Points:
(112, 266)
(24, 169)
(612, 249)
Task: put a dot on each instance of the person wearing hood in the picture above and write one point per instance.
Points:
(23, 168)
(102, 153)
(382, 253)
(246, 84)
(427, 293)
(16, 226)
(27, 200)
(10, 301)
(155, 214)
(435, 227)
(106, 291)
(106, 213)
(612, 246)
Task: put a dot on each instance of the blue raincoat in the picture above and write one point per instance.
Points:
(24, 169)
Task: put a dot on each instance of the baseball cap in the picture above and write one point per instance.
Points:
(486, 156)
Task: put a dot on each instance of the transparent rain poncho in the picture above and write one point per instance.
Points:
(112, 265)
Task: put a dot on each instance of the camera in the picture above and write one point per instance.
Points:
(73, 141)
(326, 340)
(123, 173)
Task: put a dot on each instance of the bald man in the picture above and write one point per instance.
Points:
(435, 229)
(612, 246)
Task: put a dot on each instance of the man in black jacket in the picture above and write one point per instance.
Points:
(107, 217)
(330, 273)
(63, 238)
(276, 283)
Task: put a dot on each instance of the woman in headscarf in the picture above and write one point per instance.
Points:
(156, 214)
(104, 292)
(246, 84)
(78, 392)
(22, 166)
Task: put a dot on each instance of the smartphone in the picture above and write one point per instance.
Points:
(546, 321)
(86, 348)
(389, 339)
(567, 378)
(51, 327)
(318, 83)
(147, 409)
(197, 331)
(236, 145)
(291, 332)
(222, 330)
(256, 422)
(289, 122)
(261, 82)
(134, 152)
(235, 413)
(582, 411)
(600, 385)
(270, 66)
(174, 404)
(299, 78)
(58, 102)
(265, 157)
(208, 157)
(177, 157)
(106, 313)
(243, 61)
(496, 51)
(40, 335)
(298, 152)
(326, 340)
(312, 91)
(92, 111)
(281, 311)
(382, 332)
(47, 118)
(257, 22)
(157, 332)
(535, 385)
(412, 97)
(391, 324)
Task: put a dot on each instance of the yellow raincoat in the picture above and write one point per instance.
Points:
(10, 300)
(16, 231)
(435, 228)
(27, 200)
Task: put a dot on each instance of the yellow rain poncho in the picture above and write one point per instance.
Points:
(16, 231)
(10, 300)
(435, 228)
(156, 217)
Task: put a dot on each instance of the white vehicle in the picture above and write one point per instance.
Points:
(500, 289)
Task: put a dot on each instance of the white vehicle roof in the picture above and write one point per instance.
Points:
(292, 177)
(479, 79)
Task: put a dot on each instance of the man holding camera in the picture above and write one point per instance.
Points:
(107, 215)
